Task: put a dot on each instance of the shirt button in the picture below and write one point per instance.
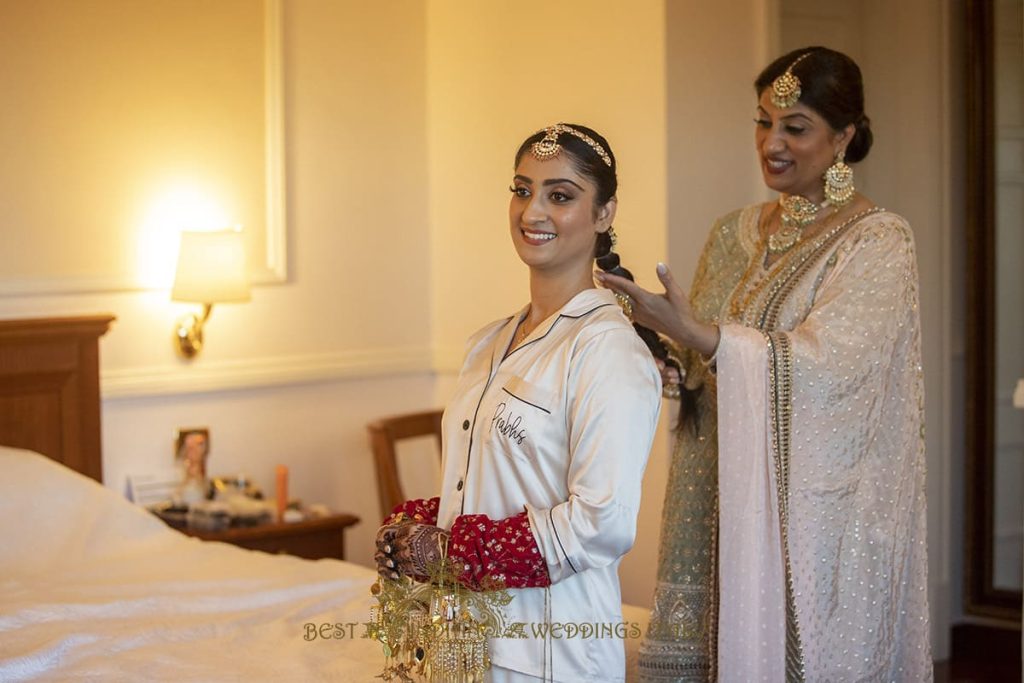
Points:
(465, 425)
(459, 487)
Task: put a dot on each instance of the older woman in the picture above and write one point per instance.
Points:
(548, 433)
(793, 539)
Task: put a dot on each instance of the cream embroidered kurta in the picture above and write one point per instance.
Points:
(816, 414)
(562, 427)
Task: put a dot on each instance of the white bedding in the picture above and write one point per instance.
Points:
(93, 587)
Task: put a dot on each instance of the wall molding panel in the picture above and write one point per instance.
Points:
(263, 372)
(116, 155)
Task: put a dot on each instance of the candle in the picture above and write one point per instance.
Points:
(282, 491)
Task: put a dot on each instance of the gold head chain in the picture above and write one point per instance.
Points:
(548, 147)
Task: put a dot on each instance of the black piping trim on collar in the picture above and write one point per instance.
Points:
(560, 316)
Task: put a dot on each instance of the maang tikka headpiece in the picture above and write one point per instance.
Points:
(548, 147)
(786, 88)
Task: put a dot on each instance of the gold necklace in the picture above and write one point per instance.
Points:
(521, 333)
(797, 213)
(745, 292)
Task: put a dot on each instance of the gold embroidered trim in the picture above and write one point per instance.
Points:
(715, 599)
(779, 294)
(782, 277)
(780, 372)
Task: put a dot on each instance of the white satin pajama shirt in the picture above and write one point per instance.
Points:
(561, 427)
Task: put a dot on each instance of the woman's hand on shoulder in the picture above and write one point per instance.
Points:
(668, 313)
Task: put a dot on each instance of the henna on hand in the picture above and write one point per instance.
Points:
(417, 548)
(387, 563)
(428, 545)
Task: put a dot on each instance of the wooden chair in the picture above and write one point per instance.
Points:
(384, 433)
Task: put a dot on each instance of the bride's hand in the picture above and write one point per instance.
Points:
(409, 548)
(670, 375)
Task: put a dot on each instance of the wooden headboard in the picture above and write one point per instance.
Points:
(50, 388)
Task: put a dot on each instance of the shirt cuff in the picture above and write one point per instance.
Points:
(497, 553)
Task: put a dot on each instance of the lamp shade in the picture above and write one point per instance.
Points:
(211, 268)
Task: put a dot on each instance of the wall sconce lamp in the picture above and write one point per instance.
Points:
(211, 269)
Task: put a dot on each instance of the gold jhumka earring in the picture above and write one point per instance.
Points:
(839, 187)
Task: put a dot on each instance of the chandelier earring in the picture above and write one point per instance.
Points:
(839, 187)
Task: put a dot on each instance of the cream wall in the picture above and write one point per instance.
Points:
(112, 115)
(712, 164)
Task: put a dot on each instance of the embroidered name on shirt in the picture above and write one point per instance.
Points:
(508, 426)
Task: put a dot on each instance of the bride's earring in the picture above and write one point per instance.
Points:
(839, 187)
(613, 237)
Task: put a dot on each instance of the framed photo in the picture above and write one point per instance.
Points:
(154, 488)
(191, 449)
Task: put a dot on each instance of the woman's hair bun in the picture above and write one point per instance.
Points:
(860, 145)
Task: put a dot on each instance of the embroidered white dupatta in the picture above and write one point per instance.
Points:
(822, 562)
(752, 571)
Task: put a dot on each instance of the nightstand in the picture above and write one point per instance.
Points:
(313, 539)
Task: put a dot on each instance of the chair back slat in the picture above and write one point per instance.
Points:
(384, 435)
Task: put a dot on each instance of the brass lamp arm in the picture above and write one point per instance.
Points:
(188, 332)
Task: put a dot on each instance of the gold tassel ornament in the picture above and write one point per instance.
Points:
(436, 632)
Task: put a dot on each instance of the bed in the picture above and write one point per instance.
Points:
(96, 588)
(93, 587)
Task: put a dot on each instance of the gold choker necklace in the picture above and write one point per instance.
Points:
(797, 213)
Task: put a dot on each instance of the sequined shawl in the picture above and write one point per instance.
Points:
(793, 532)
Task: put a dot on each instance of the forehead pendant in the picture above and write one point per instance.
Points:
(786, 88)
(548, 147)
